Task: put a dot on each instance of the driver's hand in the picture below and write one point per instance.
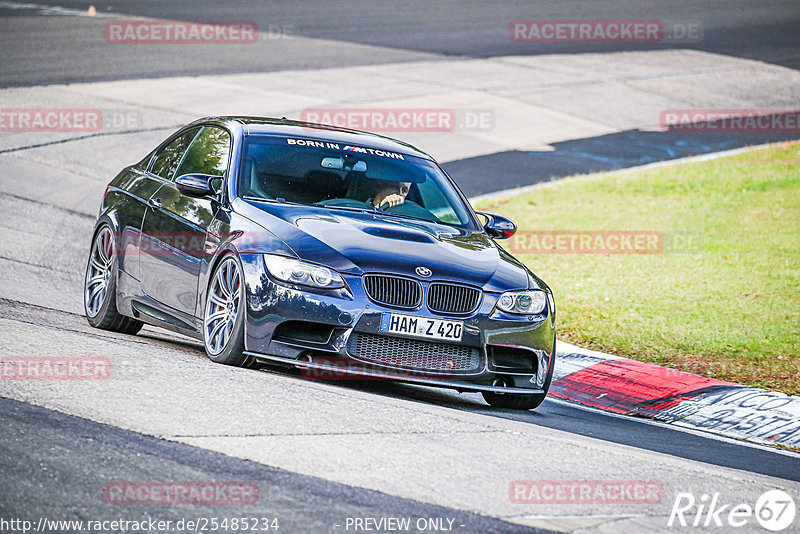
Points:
(392, 200)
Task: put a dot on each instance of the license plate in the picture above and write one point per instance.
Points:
(412, 325)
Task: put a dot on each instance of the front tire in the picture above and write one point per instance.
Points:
(100, 286)
(223, 317)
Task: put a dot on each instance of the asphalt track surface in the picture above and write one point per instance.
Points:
(44, 485)
(610, 152)
(55, 465)
(39, 51)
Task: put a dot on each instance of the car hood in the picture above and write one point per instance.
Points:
(356, 242)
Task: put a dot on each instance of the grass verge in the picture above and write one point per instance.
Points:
(718, 293)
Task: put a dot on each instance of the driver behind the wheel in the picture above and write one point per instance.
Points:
(389, 193)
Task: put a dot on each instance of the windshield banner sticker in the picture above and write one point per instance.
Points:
(346, 148)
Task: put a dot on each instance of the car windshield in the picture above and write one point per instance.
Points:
(338, 176)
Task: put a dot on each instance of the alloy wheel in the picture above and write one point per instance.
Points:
(222, 306)
(99, 271)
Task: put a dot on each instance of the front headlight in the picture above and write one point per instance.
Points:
(528, 302)
(294, 271)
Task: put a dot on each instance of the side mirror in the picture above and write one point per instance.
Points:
(497, 226)
(196, 185)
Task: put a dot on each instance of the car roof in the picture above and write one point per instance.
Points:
(309, 130)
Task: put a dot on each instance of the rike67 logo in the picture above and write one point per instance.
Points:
(774, 510)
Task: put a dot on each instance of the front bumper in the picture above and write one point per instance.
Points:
(317, 331)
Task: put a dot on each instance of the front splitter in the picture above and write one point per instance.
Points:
(396, 376)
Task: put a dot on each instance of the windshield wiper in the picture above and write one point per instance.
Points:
(399, 216)
(346, 208)
(376, 210)
(273, 200)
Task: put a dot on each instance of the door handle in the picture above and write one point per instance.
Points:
(154, 203)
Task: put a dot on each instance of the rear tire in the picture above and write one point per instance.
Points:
(514, 401)
(100, 286)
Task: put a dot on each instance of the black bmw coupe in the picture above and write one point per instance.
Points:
(338, 252)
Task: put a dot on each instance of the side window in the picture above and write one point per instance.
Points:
(168, 159)
(208, 153)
